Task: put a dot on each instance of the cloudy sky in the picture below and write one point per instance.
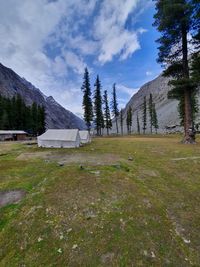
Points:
(50, 42)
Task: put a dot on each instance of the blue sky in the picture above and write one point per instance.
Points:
(51, 42)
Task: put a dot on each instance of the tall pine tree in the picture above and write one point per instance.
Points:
(108, 122)
(150, 107)
(87, 100)
(154, 118)
(121, 122)
(114, 106)
(98, 113)
(138, 124)
(144, 117)
(176, 21)
(129, 120)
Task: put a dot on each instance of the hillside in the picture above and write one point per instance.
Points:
(56, 116)
(167, 112)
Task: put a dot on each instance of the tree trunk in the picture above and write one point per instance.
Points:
(107, 131)
(189, 133)
(122, 129)
(116, 125)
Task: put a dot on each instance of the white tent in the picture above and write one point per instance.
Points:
(66, 138)
(85, 137)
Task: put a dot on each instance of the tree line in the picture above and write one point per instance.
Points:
(98, 111)
(16, 115)
(97, 108)
(153, 120)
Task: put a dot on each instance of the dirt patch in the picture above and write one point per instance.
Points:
(68, 159)
(10, 197)
(148, 173)
(187, 158)
(35, 155)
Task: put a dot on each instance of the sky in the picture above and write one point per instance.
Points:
(50, 42)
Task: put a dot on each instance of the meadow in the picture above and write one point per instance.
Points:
(119, 201)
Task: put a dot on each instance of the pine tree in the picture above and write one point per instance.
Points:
(41, 120)
(99, 121)
(114, 106)
(108, 122)
(154, 118)
(34, 116)
(150, 107)
(121, 122)
(138, 124)
(129, 120)
(87, 100)
(144, 115)
(176, 20)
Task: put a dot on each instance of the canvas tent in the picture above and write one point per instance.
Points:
(85, 137)
(57, 138)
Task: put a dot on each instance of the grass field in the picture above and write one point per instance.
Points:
(131, 201)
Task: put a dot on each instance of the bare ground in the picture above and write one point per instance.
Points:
(10, 197)
(74, 158)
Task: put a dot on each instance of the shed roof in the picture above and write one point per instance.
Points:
(60, 134)
(84, 134)
(12, 132)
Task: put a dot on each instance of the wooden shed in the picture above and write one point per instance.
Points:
(12, 135)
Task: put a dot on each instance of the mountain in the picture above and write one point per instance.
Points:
(167, 109)
(57, 117)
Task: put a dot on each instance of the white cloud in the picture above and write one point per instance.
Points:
(74, 62)
(110, 30)
(127, 90)
(44, 40)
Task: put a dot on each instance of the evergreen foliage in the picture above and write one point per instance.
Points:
(150, 107)
(121, 122)
(15, 115)
(114, 106)
(176, 20)
(138, 125)
(98, 113)
(107, 117)
(87, 100)
(144, 117)
(154, 118)
(129, 120)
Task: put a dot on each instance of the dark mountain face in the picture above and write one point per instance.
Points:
(57, 117)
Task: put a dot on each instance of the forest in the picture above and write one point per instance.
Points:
(16, 115)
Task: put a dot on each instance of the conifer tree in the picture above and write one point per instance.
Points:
(108, 122)
(87, 100)
(99, 121)
(129, 120)
(144, 115)
(114, 106)
(121, 122)
(150, 107)
(138, 124)
(176, 20)
(15, 115)
(154, 118)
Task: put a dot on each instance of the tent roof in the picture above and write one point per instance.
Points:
(12, 132)
(84, 134)
(59, 134)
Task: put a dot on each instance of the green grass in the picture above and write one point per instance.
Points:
(143, 212)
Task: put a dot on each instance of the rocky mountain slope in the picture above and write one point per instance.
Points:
(56, 116)
(167, 112)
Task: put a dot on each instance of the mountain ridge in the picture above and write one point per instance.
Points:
(57, 116)
(167, 109)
